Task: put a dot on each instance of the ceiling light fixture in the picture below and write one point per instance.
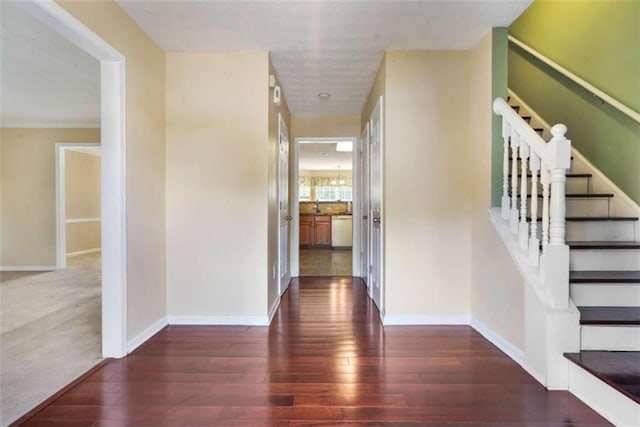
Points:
(346, 146)
(323, 96)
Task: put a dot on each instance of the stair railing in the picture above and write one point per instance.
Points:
(550, 160)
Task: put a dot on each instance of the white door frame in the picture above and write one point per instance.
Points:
(295, 212)
(283, 285)
(113, 142)
(61, 197)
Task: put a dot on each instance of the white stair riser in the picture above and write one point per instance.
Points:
(574, 186)
(605, 294)
(604, 399)
(604, 259)
(621, 231)
(611, 338)
(579, 207)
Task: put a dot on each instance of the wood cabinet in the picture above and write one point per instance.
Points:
(315, 231)
(306, 230)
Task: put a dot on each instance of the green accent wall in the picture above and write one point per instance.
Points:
(598, 41)
(499, 54)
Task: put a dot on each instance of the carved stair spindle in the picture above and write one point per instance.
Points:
(506, 132)
(545, 179)
(513, 214)
(555, 272)
(534, 242)
(523, 228)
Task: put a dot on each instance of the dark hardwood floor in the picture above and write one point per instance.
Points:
(325, 360)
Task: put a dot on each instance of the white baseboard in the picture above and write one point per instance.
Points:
(458, 319)
(274, 308)
(28, 268)
(84, 252)
(496, 339)
(143, 336)
(219, 320)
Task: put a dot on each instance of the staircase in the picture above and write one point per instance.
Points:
(603, 236)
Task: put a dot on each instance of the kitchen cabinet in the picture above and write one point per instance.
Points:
(322, 230)
(315, 231)
(306, 230)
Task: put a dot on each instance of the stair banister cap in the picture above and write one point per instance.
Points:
(558, 130)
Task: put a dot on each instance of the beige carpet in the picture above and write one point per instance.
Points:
(49, 332)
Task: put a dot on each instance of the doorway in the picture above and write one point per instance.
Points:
(325, 192)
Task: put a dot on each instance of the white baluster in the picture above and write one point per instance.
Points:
(534, 242)
(523, 227)
(545, 179)
(506, 132)
(555, 271)
(513, 215)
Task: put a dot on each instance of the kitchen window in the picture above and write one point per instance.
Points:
(304, 193)
(333, 193)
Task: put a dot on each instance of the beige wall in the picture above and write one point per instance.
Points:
(217, 183)
(426, 182)
(145, 169)
(82, 193)
(378, 89)
(273, 286)
(324, 126)
(28, 195)
(497, 291)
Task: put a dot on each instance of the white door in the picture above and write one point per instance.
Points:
(375, 198)
(364, 205)
(284, 219)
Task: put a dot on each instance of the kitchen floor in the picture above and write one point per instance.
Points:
(326, 262)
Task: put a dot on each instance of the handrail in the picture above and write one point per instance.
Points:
(589, 87)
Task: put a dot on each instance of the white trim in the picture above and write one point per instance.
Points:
(81, 220)
(83, 252)
(602, 398)
(113, 139)
(218, 320)
(426, 319)
(145, 335)
(47, 125)
(274, 308)
(61, 214)
(588, 86)
(295, 238)
(496, 339)
(19, 268)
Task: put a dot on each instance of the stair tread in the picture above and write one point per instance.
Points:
(568, 175)
(619, 369)
(594, 315)
(595, 218)
(604, 245)
(579, 195)
(599, 276)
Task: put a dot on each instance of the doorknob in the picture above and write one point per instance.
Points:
(376, 220)
(288, 217)
(364, 217)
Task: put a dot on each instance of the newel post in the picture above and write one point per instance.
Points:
(555, 268)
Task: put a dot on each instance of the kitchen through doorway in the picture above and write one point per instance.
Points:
(324, 190)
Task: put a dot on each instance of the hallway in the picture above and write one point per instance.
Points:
(325, 358)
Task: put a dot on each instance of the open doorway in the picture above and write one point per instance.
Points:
(325, 197)
(60, 82)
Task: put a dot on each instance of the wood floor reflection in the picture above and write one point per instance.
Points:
(326, 262)
(325, 360)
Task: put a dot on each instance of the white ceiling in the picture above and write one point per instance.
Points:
(323, 156)
(318, 46)
(45, 80)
